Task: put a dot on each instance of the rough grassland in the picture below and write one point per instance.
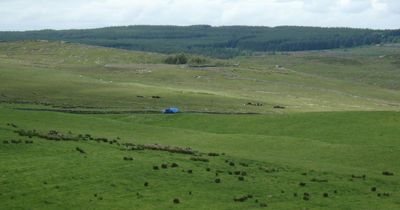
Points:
(335, 145)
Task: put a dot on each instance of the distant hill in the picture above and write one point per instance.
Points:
(226, 41)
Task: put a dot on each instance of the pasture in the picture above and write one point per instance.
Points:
(81, 128)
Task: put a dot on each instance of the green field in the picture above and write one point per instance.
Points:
(81, 128)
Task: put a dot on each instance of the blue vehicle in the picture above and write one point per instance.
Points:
(171, 110)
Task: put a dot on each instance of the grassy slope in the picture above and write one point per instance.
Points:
(75, 75)
(325, 145)
(294, 144)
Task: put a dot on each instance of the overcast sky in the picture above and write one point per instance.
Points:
(66, 14)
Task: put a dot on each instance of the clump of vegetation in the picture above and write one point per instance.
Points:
(177, 59)
(199, 159)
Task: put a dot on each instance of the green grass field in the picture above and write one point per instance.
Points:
(335, 145)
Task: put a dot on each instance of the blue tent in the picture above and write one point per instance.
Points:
(171, 110)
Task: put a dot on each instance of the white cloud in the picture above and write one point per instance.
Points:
(39, 14)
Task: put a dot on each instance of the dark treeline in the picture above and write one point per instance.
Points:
(226, 41)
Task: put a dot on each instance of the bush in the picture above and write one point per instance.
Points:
(177, 59)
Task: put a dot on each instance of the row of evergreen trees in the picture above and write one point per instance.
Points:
(224, 41)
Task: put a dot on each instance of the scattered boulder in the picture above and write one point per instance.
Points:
(318, 180)
(218, 180)
(80, 150)
(279, 107)
(387, 173)
(241, 198)
(128, 158)
(358, 177)
(199, 159)
(176, 201)
(213, 154)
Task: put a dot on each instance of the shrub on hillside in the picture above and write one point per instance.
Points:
(177, 59)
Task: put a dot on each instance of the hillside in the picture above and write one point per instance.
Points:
(226, 41)
(81, 128)
(68, 75)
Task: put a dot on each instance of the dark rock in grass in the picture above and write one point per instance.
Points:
(237, 172)
(241, 178)
(100, 198)
(190, 171)
(146, 184)
(13, 141)
(213, 154)
(174, 165)
(208, 169)
(279, 107)
(231, 163)
(263, 205)
(95, 195)
(44, 182)
(156, 97)
(164, 165)
(387, 173)
(379, 195)
(217, 180)
(190, 192)
(302, 184)
(306, 196)
(304, 174)
(373, 189)
(5, 142)
(176, 201)
(325, 195)
(199, 159)
(128, 158)
(282, 191)
(12, 125)
(241, 199)
(335, 191)
(156, 168)
(244, 164)
(230, 172)
(318, 180)
(358, 177)
(80, 150)
(256, 201)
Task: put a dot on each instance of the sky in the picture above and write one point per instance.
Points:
(19, 15)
